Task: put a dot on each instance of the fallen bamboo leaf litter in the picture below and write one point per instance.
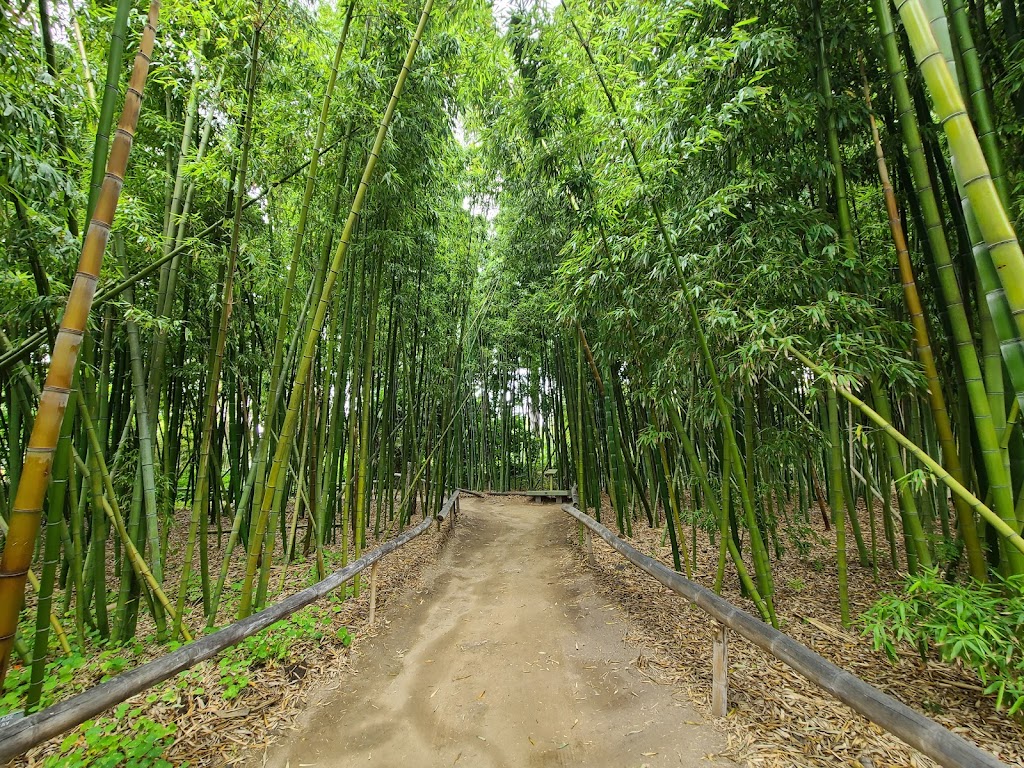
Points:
(777, 719)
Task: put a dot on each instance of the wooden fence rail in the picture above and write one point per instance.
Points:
(20, 735)
(920, 732)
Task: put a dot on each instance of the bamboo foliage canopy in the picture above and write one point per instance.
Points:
(744, 273)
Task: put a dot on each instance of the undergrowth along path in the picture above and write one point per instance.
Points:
(507, 658)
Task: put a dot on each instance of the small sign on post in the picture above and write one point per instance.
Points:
(550, 473)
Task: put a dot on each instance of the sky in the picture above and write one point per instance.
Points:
(502, 9)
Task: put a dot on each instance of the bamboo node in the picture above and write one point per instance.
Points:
(927, 57)
(951, 116)
(975, 179)
(72, 332)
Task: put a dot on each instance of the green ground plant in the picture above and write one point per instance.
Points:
(980, 627)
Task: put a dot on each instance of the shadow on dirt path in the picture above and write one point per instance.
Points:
(507, 658)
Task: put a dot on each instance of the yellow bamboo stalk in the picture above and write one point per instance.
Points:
(967, 155)
(139, 564)
(316, 327)
(936, 399)
(33, 581)
(936, 468)
(38, 464)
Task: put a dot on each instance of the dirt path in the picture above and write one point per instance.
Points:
(507, 658)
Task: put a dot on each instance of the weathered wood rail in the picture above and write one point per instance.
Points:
(538, 495)
(920, 732)
(18, 736)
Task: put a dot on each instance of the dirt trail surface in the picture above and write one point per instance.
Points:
(507, 658)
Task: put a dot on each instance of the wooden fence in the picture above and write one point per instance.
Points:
(20, 735)
(920, 732)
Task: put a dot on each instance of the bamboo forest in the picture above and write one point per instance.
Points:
(511, 382)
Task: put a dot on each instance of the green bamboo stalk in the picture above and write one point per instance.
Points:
(365, 409)
(832, 140)
(970, 63)
(111, 96)
(233, 537)
(146, 443)
(173, 240)
(32, 341)
(722, 516)
(767, 613)
(996, 319)
(837, 503)
(762, 568)
(110, 506)
(201, 495)
(312, 337)
(83, 59)
(849, 496)
(940, 415)
(338, 431)
(1014, 542)
(126, 609)
(918, 552)
(276, 367)
(968, 158)
(988, 439)
(672, 517)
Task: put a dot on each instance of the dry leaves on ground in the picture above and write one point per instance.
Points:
(777, 719)
(214, 731)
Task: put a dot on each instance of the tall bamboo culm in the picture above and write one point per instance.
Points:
(968, 157)
(38, 462)
(283, 448)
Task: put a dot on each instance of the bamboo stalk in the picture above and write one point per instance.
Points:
(147, 448)
(201, 497)
(968, 158)
(276, 366)
(28, 504)
(316, 326)
(967, 530)
(1004, 530)
(977, 396)
(111, 95)
(762, 568)
(110, 506)
(55, 624)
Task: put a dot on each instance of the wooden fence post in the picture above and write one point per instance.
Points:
(590, 547)
(373, 591)
(720, 672)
